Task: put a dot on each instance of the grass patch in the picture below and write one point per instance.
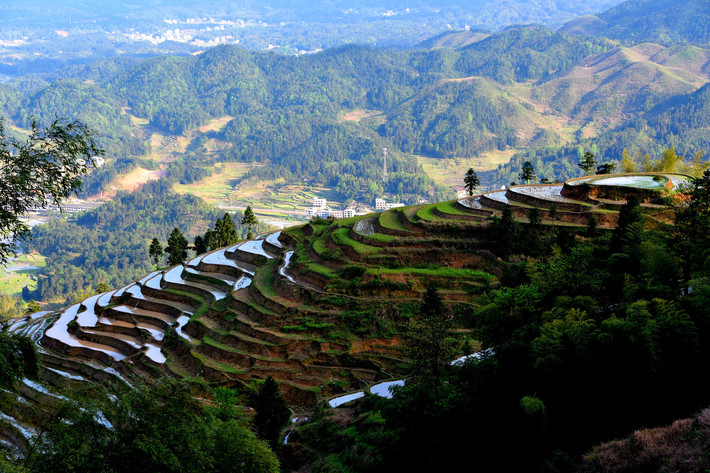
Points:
(427, 213)
(451, 171)
(216, 189)
(319, 246)
(322, 270)
(450, 208)
(264, 279)
(381, 237)
(224, 367)
(439, 272)
(21, 272)
(341, 237)
(389, 219)
(212, 342)
(202, 307)
(281, 195)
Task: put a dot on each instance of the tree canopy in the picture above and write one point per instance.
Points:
(40, 171)
(177, 247)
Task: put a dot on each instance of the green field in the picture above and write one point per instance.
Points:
(217, 188)
(20, 273)
(440, 272)
(427, 213)
(341, 237)
(390, 220)
(450, 208)
(450, 172)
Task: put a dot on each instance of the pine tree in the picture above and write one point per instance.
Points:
(225, 231)
(606, 168)
(534, 231)
(527, 174)
(200, 245)
(155, 250)
(249, 220)
(211, 240)
(592, 226)
(430, 345)
(506, 230)
(471, 181)
(691, 232)
(587, 163)
(272, 412)
(177, 247)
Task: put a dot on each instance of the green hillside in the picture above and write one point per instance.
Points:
(523, 88)
(573, 291)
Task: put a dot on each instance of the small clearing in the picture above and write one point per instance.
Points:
(450, 171)
(130, 181)
(359, 114)
(216, 124)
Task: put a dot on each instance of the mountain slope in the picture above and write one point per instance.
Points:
(665, 22)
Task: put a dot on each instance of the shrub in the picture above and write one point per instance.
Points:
(352, 271)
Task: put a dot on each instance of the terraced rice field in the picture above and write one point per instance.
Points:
(297, 305)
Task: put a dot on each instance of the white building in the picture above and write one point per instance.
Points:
(319, 203)
(348, 213)
(381, 204)
(310, 213)
(324, 213)
(336, 213)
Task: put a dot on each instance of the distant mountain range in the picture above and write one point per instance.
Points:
(657, 21)
(458, 95)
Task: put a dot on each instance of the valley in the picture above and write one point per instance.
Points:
(534, 287)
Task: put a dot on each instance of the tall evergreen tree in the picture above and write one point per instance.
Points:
(210, 239)
(177, 247)
(534, 231)
(471, 181)
(629, 214)
(430, 345)
(691, 232)
(527, 174)
(249, 220)
(272, 412)
(587, 163)
(225, 231)
(506, 232)
(606, 168)
(155, 250)
(200, 245)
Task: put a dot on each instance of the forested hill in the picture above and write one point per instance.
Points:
(656, 21)
(523, 88)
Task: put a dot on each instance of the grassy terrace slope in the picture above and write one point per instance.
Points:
(320, 307)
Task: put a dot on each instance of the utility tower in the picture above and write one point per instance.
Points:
(384, 165)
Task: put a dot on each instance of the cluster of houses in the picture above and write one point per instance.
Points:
(381, 204)
(320, 209)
